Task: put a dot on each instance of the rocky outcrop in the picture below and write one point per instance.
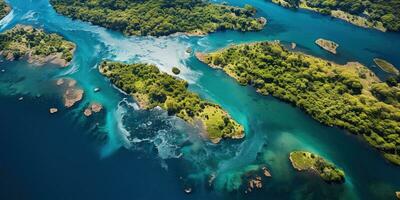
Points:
(327, 45)
(93, 108)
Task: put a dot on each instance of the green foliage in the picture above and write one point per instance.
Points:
(302, 160)
(4, 9)
(23, 40)
(346, 96)
(159, 17)
(152, 88)
(385, 11)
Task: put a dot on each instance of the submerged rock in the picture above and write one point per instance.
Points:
(53, 110)
(398, 195)
(21, 98)
(60, 81)
(294, 45)
(266, 172)
(87, 112)
(188, 190)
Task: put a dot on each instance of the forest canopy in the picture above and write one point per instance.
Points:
(349, 96)
(160, 17)
(35, 43)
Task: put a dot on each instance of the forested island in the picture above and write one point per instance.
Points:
(36, 46)
(386, 66)
(382, 15)
(4, 9)
(349, 96)
(152, 88)
(303, 161)
(160, 17)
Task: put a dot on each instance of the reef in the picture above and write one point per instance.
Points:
(306, 161)
(72, 93)
(92, 108)
(152, 88)
(36, 46)
(349, 96)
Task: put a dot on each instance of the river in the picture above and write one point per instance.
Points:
(45, 156)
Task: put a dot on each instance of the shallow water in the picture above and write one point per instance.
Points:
(149, 155)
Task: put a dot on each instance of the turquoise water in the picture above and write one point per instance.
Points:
(149, 155)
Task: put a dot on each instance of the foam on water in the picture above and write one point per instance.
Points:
(7, 19)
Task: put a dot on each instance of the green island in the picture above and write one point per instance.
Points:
(327, 45)
(386, 66)
(348, 96)
(152, 88)
(35, 45)
(306, 161)
(160, 17)
(378, 14)
(4, 9)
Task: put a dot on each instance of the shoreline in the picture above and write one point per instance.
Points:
(337, 14)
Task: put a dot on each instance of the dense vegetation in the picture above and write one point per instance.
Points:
(385, 11)
(160, 17)
(302, 160)
(4, 9)
(152, 88)
(35, 43)
(349, 96)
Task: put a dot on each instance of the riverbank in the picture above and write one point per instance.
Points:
(357, 20)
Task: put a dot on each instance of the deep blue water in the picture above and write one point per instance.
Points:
(45, 156)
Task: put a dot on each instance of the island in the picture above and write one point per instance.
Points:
(327, 45)
(4, 9)
(152, 88)
(348, 96)
(386, 66)
(381, 15)
(36, 46)
(306, 161)
(159, 17)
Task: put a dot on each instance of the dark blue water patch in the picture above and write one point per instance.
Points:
(45, 156)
